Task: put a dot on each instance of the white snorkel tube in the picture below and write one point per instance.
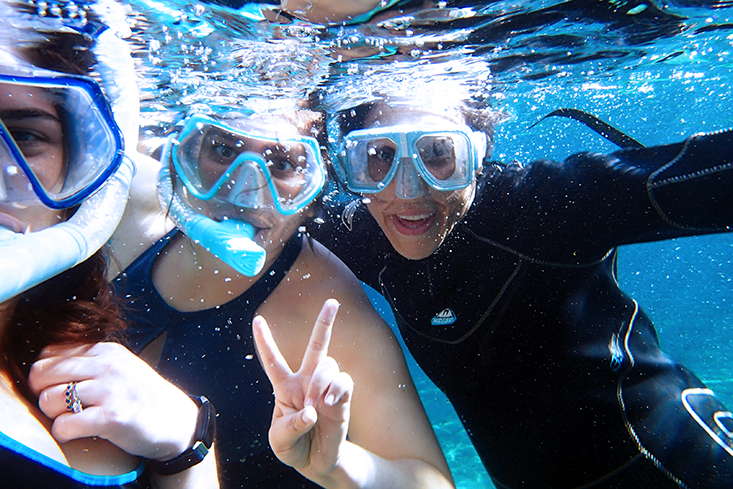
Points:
(27, 260)
(231, 241)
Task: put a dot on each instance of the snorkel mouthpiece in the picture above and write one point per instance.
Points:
(230, 241)
(28, 259)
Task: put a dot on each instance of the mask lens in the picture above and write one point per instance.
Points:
(438, 154)
(218, 151)
(370, 161)
(289, 167)
(380, 155)
(60, 133)
(33, 143)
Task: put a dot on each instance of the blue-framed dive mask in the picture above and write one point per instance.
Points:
(446, 159)
(59, 142)
(248, 166)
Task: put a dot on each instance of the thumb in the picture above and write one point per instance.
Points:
(285, 434)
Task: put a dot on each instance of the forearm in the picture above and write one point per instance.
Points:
(359, 468)
(201, 476)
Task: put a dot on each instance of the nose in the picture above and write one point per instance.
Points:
(247, 187)
(410, 185)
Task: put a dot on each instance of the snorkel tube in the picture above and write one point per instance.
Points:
(27, 260)
(230, 241)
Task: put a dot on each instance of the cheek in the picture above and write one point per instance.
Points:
(462, 200)
(41, 218)
(49, 168)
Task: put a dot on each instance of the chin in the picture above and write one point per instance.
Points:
(415, 251)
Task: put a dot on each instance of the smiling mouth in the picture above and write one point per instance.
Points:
(413, 224)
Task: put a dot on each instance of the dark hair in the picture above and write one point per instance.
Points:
(63, 52)
(77, 306)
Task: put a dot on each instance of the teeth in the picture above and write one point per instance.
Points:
(415, 218)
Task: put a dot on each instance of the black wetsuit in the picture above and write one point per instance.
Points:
(555, 372)
(211, 353)
(22, 467)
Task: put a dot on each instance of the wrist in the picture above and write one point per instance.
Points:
(201, 442)
(353, 469)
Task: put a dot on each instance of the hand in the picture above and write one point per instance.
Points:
(311, 416)
(124, 400)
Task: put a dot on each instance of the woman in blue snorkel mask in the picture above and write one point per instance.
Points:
(239, 187)
(502, 280)
(77, 410)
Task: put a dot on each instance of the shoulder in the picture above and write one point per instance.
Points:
(144, 221)
(318, 275)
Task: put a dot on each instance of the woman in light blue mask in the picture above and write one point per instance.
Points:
(502, 280)
(239, 186)
(77, 409)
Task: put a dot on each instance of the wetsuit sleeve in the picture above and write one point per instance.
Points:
(694, 191)
(579, 209)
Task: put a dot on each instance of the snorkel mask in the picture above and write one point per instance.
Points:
(447, 158)
(238, 165)
(93, 172)
(76, 128)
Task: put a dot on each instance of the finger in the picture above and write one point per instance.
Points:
(321, 379)
(340, 390)
(288, 430)
(64, 350)
(273, 362)
(317, 348)
(53, 400)
(70, 426)
(61, 370)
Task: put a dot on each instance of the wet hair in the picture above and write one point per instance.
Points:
(78, 305)
(63, 52)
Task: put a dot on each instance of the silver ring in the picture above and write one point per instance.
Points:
(73, 401)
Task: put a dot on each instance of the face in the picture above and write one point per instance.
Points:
(416, 226)
(34, 123)
(245, 195)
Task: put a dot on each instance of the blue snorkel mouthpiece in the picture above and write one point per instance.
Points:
(230, 241)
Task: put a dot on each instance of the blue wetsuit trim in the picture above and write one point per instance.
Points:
(82, 477)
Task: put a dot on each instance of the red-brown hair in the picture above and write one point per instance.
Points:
(76, 306)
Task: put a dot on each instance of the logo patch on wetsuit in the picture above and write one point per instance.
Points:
(703, 406)
(446, 316)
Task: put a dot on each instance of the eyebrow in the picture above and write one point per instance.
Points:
(22, 114)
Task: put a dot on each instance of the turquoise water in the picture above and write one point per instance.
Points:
(658, 72)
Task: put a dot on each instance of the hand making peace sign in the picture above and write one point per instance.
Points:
(312, 406)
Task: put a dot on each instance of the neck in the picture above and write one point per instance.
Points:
(189, 278)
